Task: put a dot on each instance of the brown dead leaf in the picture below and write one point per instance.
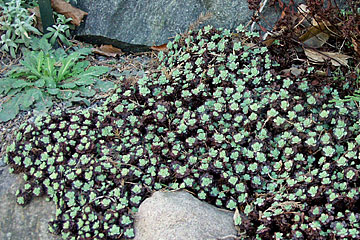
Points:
(294, 71)
(336, 59)
(159, 48)
(356, 45)
(107, 50)
(62, 7)
(317, 41)
(303, 13)
(313, 31)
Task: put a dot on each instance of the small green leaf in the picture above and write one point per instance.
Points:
(39, 83)
(129, 233)
(84, 81)
(49, 82)
(9, 109)
(80, 99)
(45, 103)
(68, 85)
(86, 91)
(27, 98)
(94, 71)
(53, 91)
(21, 83)
(66, 95)
(6, 85)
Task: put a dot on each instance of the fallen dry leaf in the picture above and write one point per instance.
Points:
(356, 45)
(313, 31)
(336, 59)
(294, 71)
(303, 14)
(317, 41)
(107, 50)
(66, 9)
(159, 48)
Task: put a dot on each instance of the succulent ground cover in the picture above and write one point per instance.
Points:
(215, 119)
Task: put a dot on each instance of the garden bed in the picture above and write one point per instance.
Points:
(215, 118)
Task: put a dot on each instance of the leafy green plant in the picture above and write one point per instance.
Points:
(60, 31)
(16, 26)
(46, 75)
(237, 136)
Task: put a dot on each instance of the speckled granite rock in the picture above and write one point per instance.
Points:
(152, 22)
(22, 223)
(181, 216)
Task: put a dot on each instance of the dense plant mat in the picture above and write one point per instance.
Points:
(215, 119)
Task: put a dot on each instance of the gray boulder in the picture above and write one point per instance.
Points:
(152, 22)
(22, 223)
(134, 24)
(180, 216)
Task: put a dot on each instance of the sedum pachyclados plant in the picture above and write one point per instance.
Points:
(46, 75)
(214, 119)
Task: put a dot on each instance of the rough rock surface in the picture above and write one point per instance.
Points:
(181, 216)
(22, 223)
(150, 22)
(153, 22)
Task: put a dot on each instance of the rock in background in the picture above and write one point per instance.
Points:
(18, 222)
(181, 216)
(153, 22)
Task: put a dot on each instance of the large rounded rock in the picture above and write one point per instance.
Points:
(18, 222)
(153, 22)
(181, 216)
(134, 25)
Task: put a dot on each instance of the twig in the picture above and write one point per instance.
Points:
(256, 14)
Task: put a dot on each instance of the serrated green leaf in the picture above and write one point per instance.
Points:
(94, 71)
(44, 104)
(69, 85)
(84, 81)
(40, 60)
(21, 83)
(84, 51)
(86, 91)
(27, 98)
(41, 44)
(14, 91)
(49, 66)
(53, 91)
(66, 95)
(39, 83)
(80, 99)
(79, 67)
(6, 85)
(67, 63)
(9, 109)
(59, 54)
(104, 86)
(49, 82)
(30, 63)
